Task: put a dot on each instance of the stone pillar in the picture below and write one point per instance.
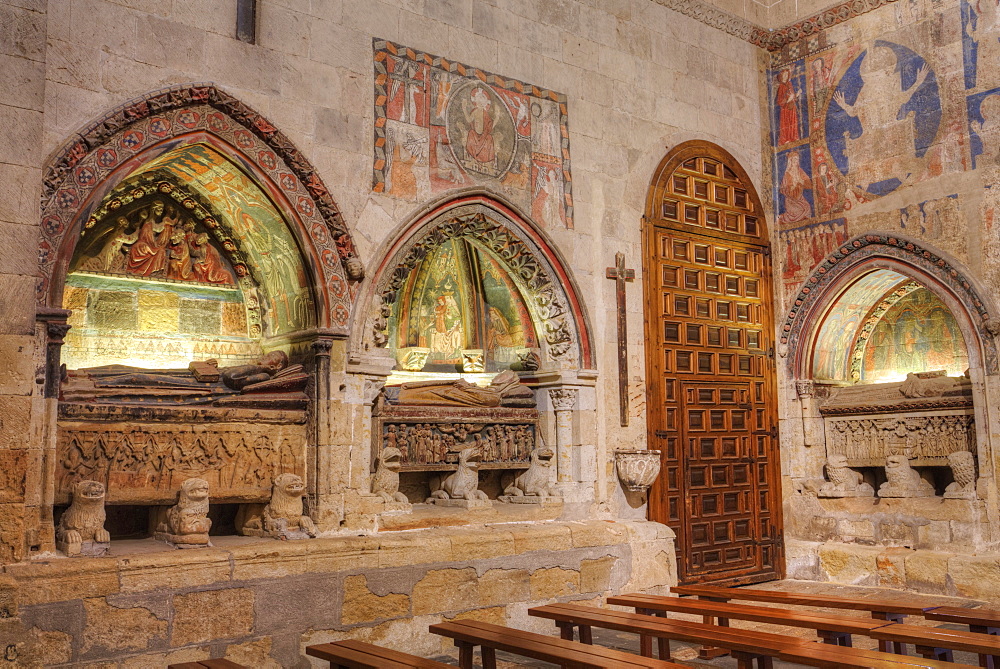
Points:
(54, 333)
(563, 402)
(318, 465)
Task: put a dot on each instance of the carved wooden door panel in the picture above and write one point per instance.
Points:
(711, 379)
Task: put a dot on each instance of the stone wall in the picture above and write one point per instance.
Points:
(260, 603)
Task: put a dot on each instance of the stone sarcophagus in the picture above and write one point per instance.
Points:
(925, 418)
(430, 438)
(142, 454)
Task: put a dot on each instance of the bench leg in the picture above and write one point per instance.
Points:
(989, 661)
(745, 660)
(933, 653)
(585, 634)
(663, 648)
(645, 645)
(489, 658)
(464, 654)
(708, 652)
(565, 630)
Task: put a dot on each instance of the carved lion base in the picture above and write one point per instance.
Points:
(548, 500)
(184, 540)
(960, 493)
(887, 490)
(462, 503)
(84, 549)
(833, 492)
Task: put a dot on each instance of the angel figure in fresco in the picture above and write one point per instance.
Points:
(986, 35)
(989, 129)
(480, 145)
(885, 148)
(794, 183)
(786, 98)
(149, 253)
(822, 80)
(546, 209)
(447, 339)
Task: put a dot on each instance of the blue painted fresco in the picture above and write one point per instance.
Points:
(919, 104)
(980, 121)
(789, 105)
(981, 43)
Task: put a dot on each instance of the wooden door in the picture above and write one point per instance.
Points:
(710, 364)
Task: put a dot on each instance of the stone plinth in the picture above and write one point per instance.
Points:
(268, 599)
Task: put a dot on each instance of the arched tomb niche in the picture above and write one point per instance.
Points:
(886, 342)
(473, 274)
(181, 227)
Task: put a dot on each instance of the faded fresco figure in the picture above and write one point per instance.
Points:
(989, 129)
(786, 98)
(885, 149)
(448, 338)
(480, 145)
(986, 36)
(794, 183)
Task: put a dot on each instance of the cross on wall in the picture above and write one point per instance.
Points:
(620, 275)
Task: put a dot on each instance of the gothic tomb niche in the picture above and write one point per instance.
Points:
(460, 311)
(191, 305)
(893, 359)
(187, 259)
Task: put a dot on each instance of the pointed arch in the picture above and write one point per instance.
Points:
(944, 276)
(105, 152)
(518, 244)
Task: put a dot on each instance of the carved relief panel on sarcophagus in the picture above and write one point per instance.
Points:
(923, 420)
(143, 454)
(432, 423)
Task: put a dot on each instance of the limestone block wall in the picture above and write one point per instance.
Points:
(261, 603)
(927, 175)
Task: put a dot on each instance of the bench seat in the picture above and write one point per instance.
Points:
(983, 621)
(938, 643)
(351, 654)
(837, 657)
(746, 646)
(471, 633)
(836, 630)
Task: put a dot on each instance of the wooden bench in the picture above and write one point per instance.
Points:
(880, 609)
(838, 657)
(208, 664)
(831, 629)
(983, 621)
(351, 654)
(471, 633)
(937, 643)
(746, 646)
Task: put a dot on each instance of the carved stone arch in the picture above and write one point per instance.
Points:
(941, 274)
(523, 249)
(103, 153)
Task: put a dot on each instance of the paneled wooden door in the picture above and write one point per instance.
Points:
(710, 371)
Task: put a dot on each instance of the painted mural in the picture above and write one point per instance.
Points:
(917, 334)
(458, 300)
(441, 125)
(835, 340)
(855, 119)
(806, 246)
(256, 226)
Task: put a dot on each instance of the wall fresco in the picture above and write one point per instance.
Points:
(917, 334)
(441, 125)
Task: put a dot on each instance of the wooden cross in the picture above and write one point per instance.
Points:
(621, 275)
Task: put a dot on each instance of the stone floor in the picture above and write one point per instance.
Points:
(687, 654)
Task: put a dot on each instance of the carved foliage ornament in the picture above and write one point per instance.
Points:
(546, 294)
(854, 252)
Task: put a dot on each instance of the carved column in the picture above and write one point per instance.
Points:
(54, 334)
(812, 422)
(563, 402)
(319, 455)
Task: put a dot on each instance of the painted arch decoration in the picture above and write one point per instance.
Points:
(138, 132)
(423, 294)
(868, 249)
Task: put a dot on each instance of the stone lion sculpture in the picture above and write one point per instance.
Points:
(284, 516)
(385, 481)
(463, 484)
(902, 480)
(963, 467)
(81, 528)
(535, 482)
(187, 522)
(842, 480)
